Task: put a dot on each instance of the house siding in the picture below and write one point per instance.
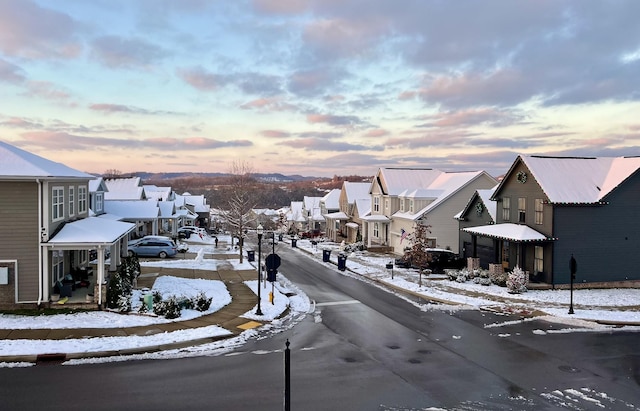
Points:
(19, 240)
(485, 247)
(604, 240)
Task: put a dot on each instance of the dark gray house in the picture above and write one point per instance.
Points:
(479, 211)
(550, 208)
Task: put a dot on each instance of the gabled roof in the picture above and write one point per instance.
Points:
(129, 188)
(296, 212)
(97, 185)
(167, 208)
(577, 180)
(16, 163)
(133, 210)
(309, 203)
(509, 231)
(485, 197)
(197, 201)
(157, 193)
(354, 191)
(394, 181)
(332, 199)
(447, 184)
(363, 205)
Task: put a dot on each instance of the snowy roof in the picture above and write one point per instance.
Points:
(508, 231)
(132, 210)
(577, 179)
(376, 217)
(124, 189)
(363, 205)
(354, 191)
(198, 202)
(446, 184)
(397, 180)
(167, 208)
(91, 230)
(337, 216)
(310, 203)
(332, 199)
(157, 193)
(97, 185)
(296, 212)
(17, 163)
(485, 196)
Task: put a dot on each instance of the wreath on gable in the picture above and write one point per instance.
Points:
(521, 177)
(479, 208)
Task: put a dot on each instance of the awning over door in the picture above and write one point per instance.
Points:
(509, 231)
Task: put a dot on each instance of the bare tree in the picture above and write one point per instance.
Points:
(417, 253)
(112, 173)
(240, 201)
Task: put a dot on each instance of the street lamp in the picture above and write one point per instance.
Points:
(260, 231)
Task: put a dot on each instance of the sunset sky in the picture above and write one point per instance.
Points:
(318, 87)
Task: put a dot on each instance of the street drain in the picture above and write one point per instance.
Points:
(568, 368)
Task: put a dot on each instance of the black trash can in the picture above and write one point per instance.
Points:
(325, 255)
(342, 262)
(280, 237)
(293, 242)
(251, 255)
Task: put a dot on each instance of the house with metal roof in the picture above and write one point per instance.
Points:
(401, 198)
(552, 208)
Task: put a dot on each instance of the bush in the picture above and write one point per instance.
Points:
(499, 278)
(201, 302)
(517, 281)
(169, 308)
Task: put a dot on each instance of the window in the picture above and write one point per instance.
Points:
(82, 199)
(506, 209)
(411, 205)
(376, 204)
(376, 230)
(539, 211)
(386, 204)
(72, 200)
(402, 204)
(57, 261)
(57, 203)
(538, 263)
(99, 203)
(522, 209)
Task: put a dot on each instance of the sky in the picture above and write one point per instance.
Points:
(317, 87)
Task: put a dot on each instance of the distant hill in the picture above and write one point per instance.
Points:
(267, 177)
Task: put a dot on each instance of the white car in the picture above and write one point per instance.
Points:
(189, 230)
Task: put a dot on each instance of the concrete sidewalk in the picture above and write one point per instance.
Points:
(228, 317)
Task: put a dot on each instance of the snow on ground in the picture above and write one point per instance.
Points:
(616, 305)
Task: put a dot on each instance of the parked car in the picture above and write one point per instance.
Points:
(439, 259)
(189, 230)
(153, 246)
(311, 234)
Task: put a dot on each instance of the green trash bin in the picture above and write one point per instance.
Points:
(148, 301)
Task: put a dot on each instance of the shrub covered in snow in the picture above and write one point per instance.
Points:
(201, 302)
(517, 281)
(482, 277)
(169, 308)
(499, 278)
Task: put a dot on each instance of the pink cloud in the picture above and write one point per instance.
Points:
(30, 31)
(47, 90)
(268, 104)
(379, 132)
(275, 133)
(333, 119)
(10, 72)
(199, 79)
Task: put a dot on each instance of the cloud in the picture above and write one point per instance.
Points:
(267, 104)
(47, 90)
(11, 73)
(199, 78)
(333, 120)
(315, 144)
(378, 132)
(474, 116)
(121, 108)
(275, 133)
(316, 81)
(30, 31)
(281, 6)
(436, 139)
(121, 52)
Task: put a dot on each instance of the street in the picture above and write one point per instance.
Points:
(362, 348)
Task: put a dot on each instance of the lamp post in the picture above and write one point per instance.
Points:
(260, 231)
(573, 267)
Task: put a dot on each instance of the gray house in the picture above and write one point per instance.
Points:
(552, 208)
(46, 231)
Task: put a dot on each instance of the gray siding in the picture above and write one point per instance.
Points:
(19, 238)
(605, 240)
(485, 247)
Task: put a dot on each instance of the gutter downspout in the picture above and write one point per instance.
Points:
(40, 279)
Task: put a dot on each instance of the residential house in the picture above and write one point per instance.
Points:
(345, 224)
(311, 211)
(296, 217)
(550, 209)
(124, 188)
(145, 214)
(196, 204)
(404, 197)
(46, 230)
(97, 190)
(480, 210)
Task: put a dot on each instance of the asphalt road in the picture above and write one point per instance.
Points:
(362, 348)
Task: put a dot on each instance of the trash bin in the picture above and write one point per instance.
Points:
(280, 237)
(325, 255)
(251, 255)
(389, 266)
(342, 262)
(148, 301)
(293, 242)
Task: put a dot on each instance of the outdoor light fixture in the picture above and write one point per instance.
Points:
(260, 231)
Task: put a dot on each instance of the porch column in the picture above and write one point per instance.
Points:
(46, 274)
(100, 275)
